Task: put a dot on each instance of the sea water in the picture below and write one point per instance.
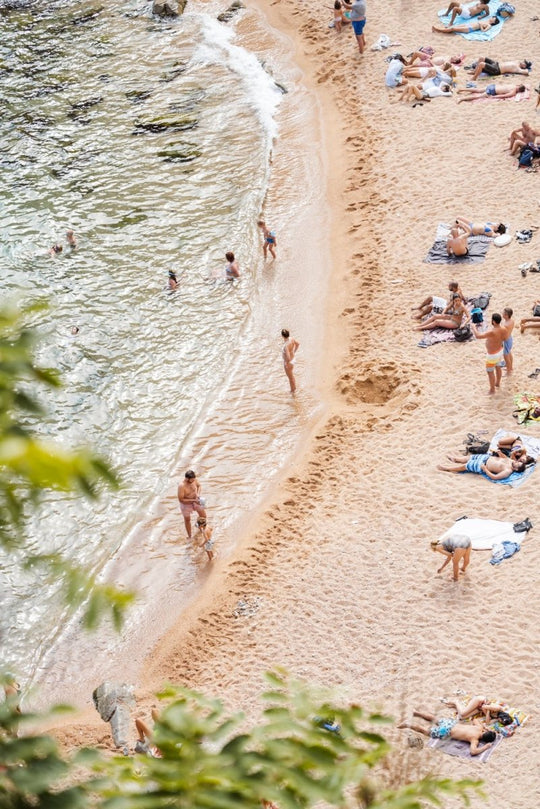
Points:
(157, 142)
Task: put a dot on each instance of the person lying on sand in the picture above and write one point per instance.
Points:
(491, 91)
(445, 72)
(452, 317)
(425, 91)
(475, 733)
(495, 468)
(481, 25)
(481, 704)
(531, 322)
(461, 10)
(491, 229)
(457, 241)
(456, 548)
(494, 68)
(512, 446)
(433, 302)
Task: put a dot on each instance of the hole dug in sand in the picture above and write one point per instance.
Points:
(375, 385)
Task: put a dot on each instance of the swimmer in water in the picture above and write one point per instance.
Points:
(232, 269)
(74, 331)
(55, 250)
(71, 239)
(172, 282)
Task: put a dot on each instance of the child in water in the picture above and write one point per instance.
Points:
(270, 241)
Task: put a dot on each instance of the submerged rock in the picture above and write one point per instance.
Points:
(168, 8)
(177, 124)
(114, 702)
(136, 96)
(227, 15)
(87, 16)
(179, 155)
(177, 70)
(89, 102)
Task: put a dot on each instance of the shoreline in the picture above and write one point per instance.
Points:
(339, 561)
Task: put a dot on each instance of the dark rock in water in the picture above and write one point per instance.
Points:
(179, 155)
(168, 8)
(136, 96)
(177, 70)
(114, 702)
(15, 5)
(105, 77)
(281, 87)
(179, 124)
(46, 90)
(131, 218)
(227, 15)
(89, 102)
(87, 16)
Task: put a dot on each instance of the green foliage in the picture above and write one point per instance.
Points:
(29, 465)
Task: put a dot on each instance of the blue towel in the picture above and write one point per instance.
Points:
(503, 550)
(482, 36)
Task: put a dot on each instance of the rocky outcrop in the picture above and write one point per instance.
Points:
(233, 9)
(168, 8)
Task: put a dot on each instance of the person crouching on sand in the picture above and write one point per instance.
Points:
(456, 548)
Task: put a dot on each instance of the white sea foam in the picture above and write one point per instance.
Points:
(217, 47)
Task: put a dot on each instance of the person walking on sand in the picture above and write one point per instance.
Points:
(270, 241)
(456, 548)
(204, 537)
(232, 270)
(476, 25)
(358, 20)
(494, 337)
(491, 91)
(475, 733)
(508, 326)
(290, 348)
(189, 497)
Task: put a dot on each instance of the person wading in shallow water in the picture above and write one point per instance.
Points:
(290, 348)
(189, 497)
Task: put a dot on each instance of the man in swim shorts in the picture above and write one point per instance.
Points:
(189, 497)
(475, 733)
(358, 20)
(492, 466)
(508, 342)
(493, 68)
(494, 338)
(466, 12)
(491, 91)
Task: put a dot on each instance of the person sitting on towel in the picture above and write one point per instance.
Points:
(490, 465)
(475, 733)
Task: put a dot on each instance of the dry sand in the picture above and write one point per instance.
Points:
(339, 564)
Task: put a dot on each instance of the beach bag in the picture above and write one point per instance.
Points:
(476, 315)
(475, 445)
(506, 8)
(536, 310)
(525, 158)
(482, 301)
(462, 334)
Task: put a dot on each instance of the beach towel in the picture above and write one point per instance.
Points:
(485, 534)
(478, 247)
(532, 445)
(519, 717)
(479, 36)
(526, 405)
(431, 337)
(454, 747)
(502, 551)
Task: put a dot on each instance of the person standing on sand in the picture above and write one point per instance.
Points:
(270, 241)
(205, 537)
(189, 497)
(494, 337)
(289, 350)
(508, 326)
(358, 20)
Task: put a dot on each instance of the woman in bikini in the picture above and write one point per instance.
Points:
(479, 25)
(491, 229)
(512, 446)
(452, 317)
(288, 351)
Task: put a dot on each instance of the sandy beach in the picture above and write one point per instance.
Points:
(337, 569)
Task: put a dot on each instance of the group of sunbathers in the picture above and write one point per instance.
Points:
(510, 456)
(485, 20)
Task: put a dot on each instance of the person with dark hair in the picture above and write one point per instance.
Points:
(490, 710)
(189, 497)
(492, 67)
(491, 91)
(289, 349)
(204, 538)
(435, 304)
(477, 25)
(456, 548)
(494, 337)
(172, 281)
(453, 316)
(232, 269)
(358, 20)
(508, 324)
(456, 9)
(270, 241)
(490, 229)
(494, 467)
(476, 734)
(394, 73)
(512, 446)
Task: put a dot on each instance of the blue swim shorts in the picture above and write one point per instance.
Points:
(507, 345)
(442, 729)
(358, 27)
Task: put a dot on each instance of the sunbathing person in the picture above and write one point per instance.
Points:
(433, 302)
(452, 317)
(475, 732)
(461, 10)
(445, 72)
(482, 229)
(491, 710)
(481, 25)
(425, 91)
(512, 446)
(456, 548)
(492, 466)
(457, 241)
(491, 91)
(494, 68)
(425, 57)
(531, 322)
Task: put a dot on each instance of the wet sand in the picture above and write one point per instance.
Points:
(338, 571)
